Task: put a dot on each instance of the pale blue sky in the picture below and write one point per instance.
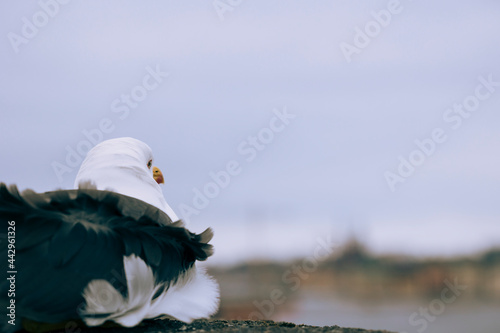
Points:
(324, 173)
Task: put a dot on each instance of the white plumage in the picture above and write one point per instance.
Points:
(194, 296)
(121, 165)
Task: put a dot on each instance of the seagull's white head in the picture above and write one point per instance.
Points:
(125, 166)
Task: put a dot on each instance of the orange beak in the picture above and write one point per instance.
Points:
(158, 176)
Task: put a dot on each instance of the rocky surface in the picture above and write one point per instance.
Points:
(242, 326)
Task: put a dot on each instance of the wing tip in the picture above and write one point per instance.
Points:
(206, 236)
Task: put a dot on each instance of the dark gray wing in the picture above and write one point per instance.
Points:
(64, 239)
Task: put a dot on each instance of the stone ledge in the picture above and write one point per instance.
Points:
(204, 325)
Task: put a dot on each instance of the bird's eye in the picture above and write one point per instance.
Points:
(150, 163)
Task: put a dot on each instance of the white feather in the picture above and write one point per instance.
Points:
(121, 165)
(195, 295)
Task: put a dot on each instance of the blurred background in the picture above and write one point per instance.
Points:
(345, 153)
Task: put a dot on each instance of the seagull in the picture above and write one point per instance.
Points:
(109, 251)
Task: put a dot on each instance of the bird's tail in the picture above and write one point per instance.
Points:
(193, 296)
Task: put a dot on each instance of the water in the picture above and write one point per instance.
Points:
(459, 317)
